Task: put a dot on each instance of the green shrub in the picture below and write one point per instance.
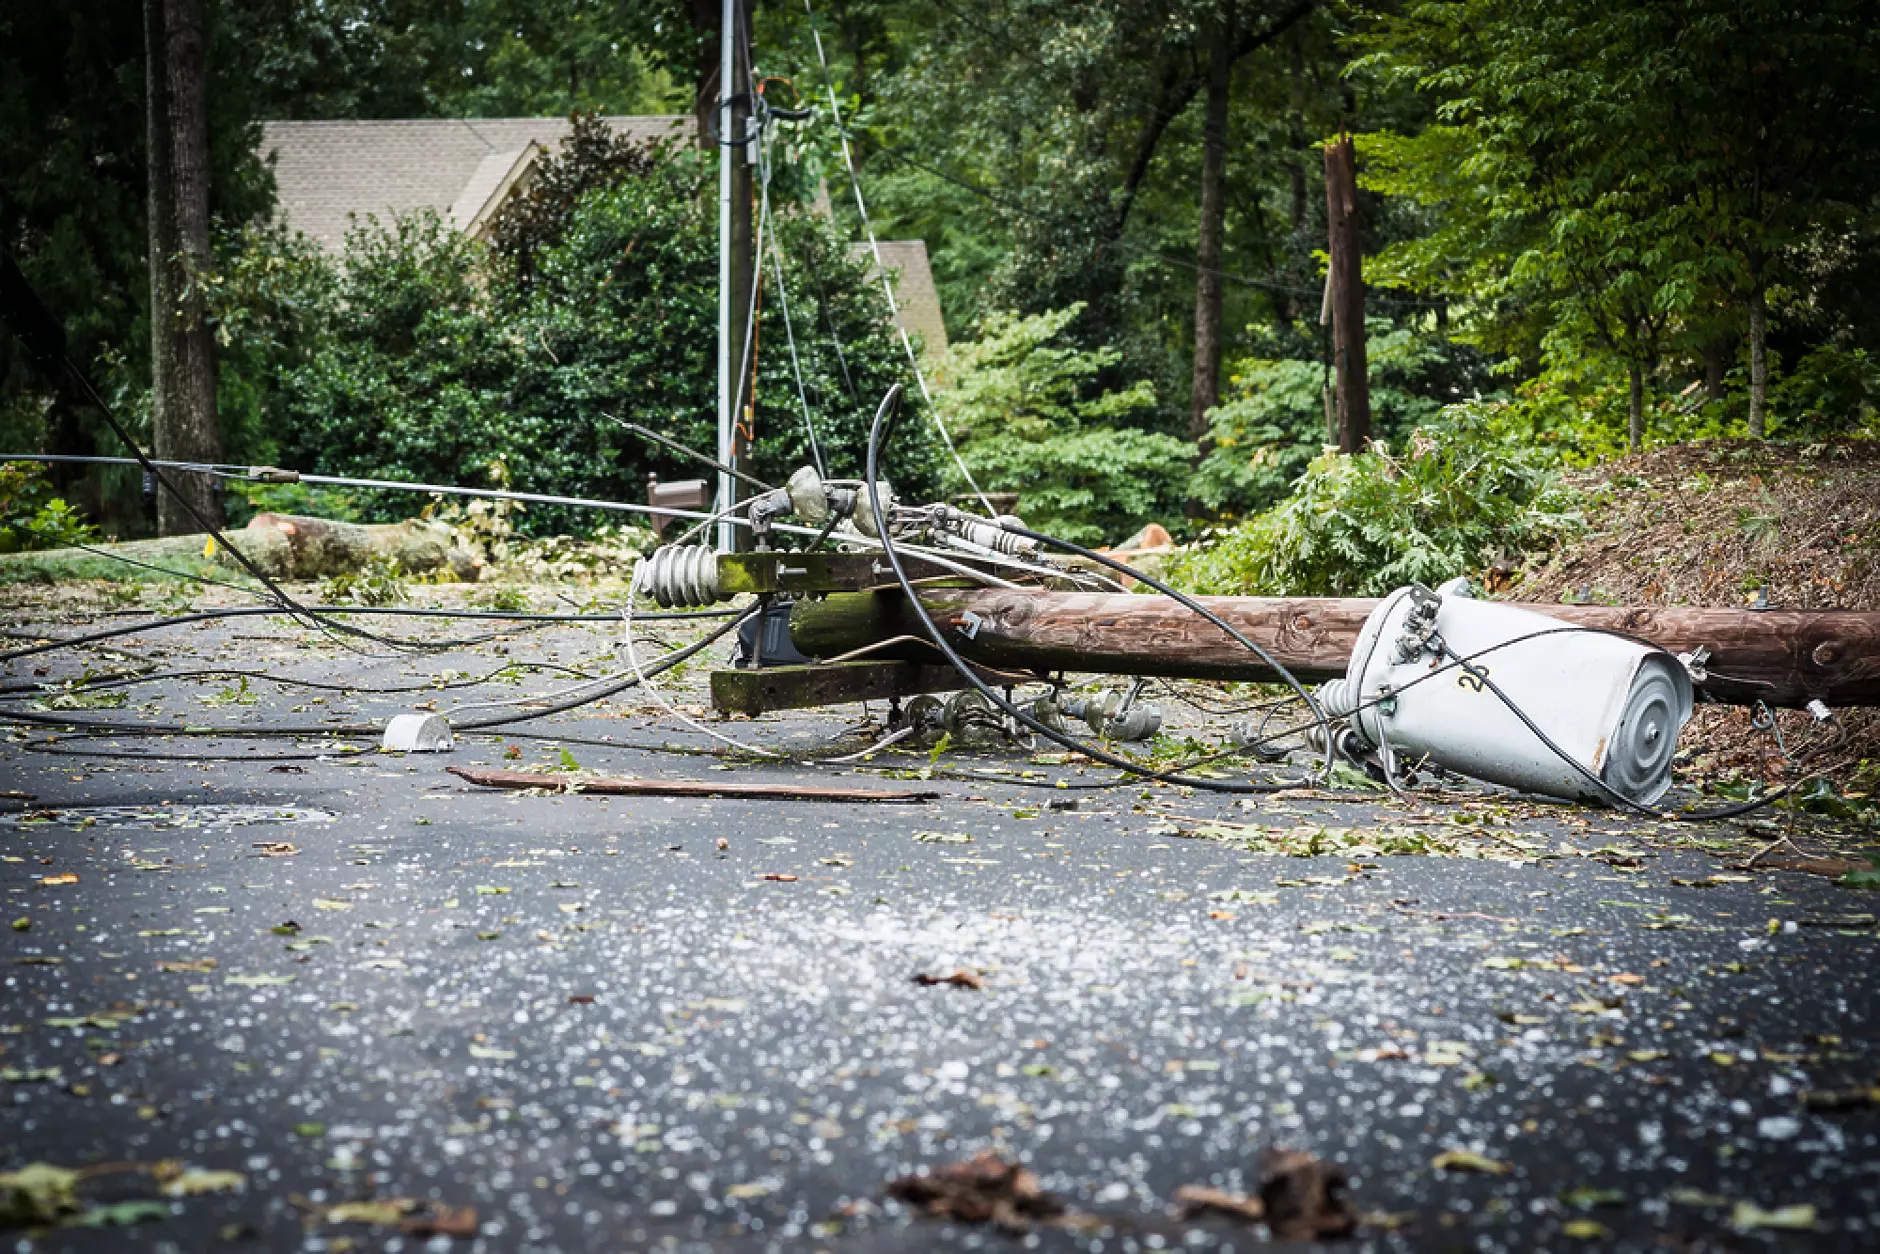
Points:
(245, 500)
(31, 517)
(1452, 504)
(1831, 391)
(444, 355)
(1272, 422)
(1024, 408)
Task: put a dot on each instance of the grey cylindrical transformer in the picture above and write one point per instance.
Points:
(1614, 705)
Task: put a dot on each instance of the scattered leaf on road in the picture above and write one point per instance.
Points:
(983, 1189)
(1469, 1160)
(1200, 1199)
(959, 979)
(1748, 1215)
(1305, 1198)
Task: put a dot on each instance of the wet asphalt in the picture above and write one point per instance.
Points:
(598, 1022)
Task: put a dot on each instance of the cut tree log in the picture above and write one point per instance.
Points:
(286, 546)
(1782, 657)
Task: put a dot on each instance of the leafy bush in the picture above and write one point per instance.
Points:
(245, 500)
(1273, 423)
(1575, 410)
(439, 355)
(31, 517)
(273, 303)
(1452, 504)
(1023, 406)
(1831, 391)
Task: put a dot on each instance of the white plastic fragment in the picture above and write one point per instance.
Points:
(418, 733)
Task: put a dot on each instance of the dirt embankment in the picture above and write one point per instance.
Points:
(1731, 522)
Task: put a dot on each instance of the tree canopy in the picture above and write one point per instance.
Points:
(1619, 223)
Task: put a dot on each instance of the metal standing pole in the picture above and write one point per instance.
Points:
(727, 299)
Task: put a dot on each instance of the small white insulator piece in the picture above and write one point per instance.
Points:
(418, 733)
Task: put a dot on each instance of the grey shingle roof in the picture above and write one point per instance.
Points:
(327, 171)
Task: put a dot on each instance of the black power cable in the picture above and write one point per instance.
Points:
(1189, 603)
(365, 729)
(890, 406)
(263, 611)
(55, 688)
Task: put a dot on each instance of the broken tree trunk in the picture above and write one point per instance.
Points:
(285, 546)
(1783, 657)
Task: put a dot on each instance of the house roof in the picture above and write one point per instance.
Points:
(914, 291)
(329, 174)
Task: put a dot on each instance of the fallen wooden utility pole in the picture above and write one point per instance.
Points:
(1782, 657)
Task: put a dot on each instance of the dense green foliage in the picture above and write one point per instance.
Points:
(1273, 421)
(1029, 415)
(428, 356)
(465, 58)
(1623, 222)
(32, 516)
(1454, 502)
(1645, 183)
(72, 208)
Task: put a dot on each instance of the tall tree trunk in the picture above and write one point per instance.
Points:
(1716, 362)
(1207, 381)
(1296, 170)
(1346, 279)
(1758, 348)
(1635, 410)
(182, 349)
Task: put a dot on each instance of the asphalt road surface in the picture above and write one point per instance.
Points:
(259, 1004)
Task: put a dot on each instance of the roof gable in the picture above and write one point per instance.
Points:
(329, 172)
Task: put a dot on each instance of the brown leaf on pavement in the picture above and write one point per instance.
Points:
(959, 979)
(1305, 1199)
(1198, 1199)
(442, 1221)
(982, 1189)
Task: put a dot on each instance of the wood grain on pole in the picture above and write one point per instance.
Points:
(1783, 657)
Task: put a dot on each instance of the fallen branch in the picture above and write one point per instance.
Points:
(679, 787)
(1402, 906)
